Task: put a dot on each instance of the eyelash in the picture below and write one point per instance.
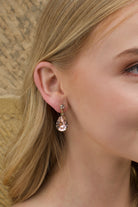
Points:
(128, 70)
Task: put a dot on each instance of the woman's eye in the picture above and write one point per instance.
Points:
(132, 70)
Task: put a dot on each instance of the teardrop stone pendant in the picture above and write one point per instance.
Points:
(62, 123)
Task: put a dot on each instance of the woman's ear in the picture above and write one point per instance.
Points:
(47, 80)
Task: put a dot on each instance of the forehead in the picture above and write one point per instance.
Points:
(121, 23)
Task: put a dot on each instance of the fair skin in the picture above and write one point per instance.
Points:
(101, 109)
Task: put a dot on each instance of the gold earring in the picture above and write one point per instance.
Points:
(62, 123)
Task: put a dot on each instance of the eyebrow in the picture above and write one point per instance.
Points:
(131, 51)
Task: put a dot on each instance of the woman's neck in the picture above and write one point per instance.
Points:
(89, 177)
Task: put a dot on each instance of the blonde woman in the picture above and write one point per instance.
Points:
(78, 144)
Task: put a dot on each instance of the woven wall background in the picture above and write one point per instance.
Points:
(17, 25)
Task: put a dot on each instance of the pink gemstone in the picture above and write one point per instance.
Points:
(62, 123)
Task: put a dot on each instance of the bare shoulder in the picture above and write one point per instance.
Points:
(24, 204)
(19, 205)
(32, 202)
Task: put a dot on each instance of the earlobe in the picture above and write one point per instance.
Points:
(48, 83)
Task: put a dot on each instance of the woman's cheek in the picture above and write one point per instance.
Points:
(112, 115)
(120, 129)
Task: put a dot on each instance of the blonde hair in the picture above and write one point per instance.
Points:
(62, 31)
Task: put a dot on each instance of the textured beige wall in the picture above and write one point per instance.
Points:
(17, 24)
